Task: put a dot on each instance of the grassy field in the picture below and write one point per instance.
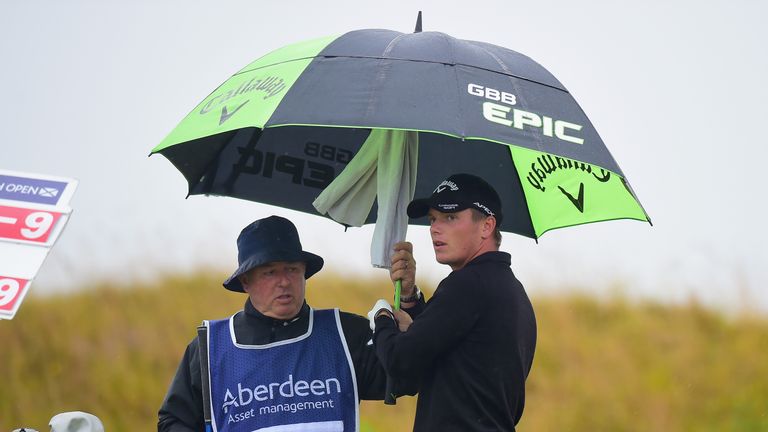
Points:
(609, 365)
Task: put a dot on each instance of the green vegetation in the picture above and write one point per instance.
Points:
(600, 365)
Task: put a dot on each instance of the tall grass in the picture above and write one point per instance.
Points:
(600, 365)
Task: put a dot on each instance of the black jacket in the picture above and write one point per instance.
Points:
(472, 348)
(182, 409)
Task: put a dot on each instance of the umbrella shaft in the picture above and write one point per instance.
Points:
(398, 288)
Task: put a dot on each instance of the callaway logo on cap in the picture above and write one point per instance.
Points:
(445, 184)
(459, 192)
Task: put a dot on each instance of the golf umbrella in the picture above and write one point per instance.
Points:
(281, 130)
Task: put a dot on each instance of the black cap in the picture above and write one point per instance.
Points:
(269, 240)
(459, 192)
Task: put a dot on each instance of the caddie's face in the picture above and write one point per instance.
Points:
(276, 289)
(456, 237)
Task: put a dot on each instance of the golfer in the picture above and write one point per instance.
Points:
(472, 345)
(278, 363)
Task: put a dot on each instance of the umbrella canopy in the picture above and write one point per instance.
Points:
(284, 127)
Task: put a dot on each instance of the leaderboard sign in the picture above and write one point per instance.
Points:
(33, 211)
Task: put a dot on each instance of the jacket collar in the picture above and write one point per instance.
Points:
(251, 312)
(491, 257)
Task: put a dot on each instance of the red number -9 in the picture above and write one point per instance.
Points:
(38, 223)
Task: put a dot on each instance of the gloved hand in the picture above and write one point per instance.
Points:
(379, 305)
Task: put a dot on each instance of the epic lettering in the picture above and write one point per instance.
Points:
(301, 171)
(549, 127)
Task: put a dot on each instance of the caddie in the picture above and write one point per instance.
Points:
(278, 363)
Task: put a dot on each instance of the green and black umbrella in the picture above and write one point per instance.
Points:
(284, 127)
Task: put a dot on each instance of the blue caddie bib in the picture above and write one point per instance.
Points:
(301, 384)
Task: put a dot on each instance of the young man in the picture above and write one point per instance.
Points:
(472, 345)
(278, 364)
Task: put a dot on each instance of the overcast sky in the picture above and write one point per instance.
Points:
(676, 90)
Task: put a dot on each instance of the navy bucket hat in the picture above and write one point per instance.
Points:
(269, 240)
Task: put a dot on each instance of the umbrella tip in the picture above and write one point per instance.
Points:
(418, 23)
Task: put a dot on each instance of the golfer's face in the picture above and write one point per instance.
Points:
(456, 238)
(277, 289)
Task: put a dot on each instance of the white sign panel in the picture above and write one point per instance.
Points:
(34, 209)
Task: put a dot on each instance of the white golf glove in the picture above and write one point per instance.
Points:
(380, 304)
(75, 421)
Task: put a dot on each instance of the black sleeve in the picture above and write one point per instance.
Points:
(448, 317)
(370, 375)
(182, 409)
